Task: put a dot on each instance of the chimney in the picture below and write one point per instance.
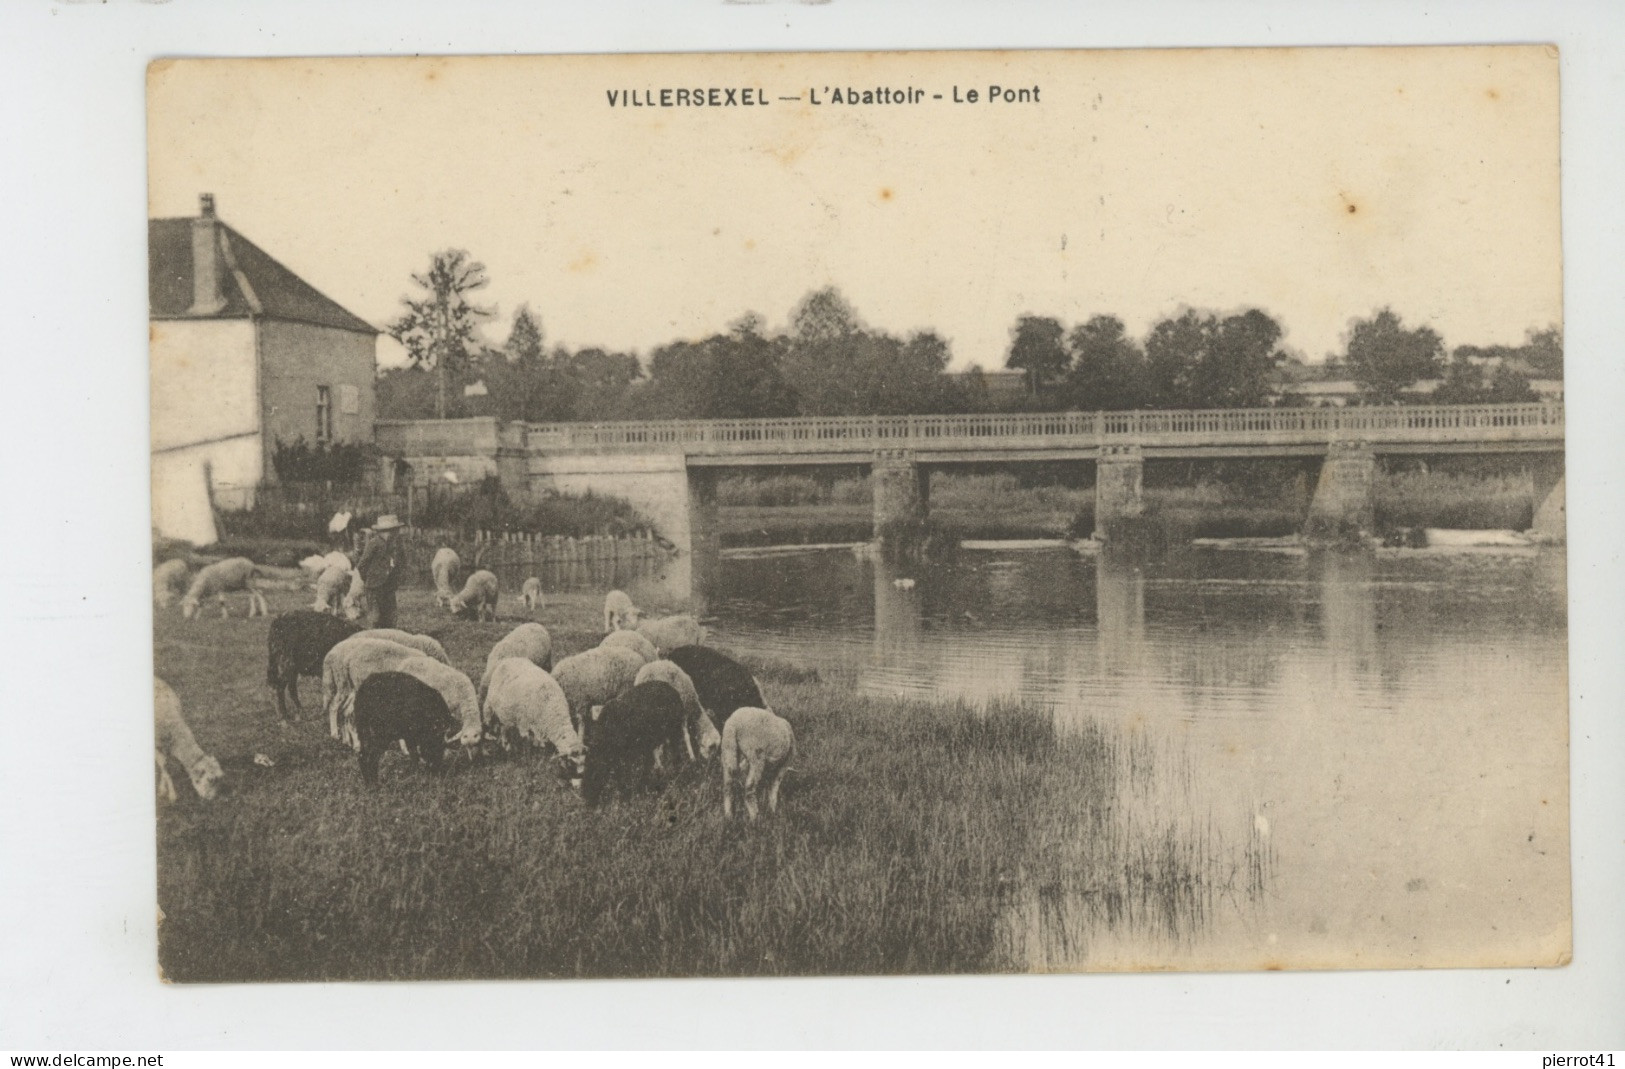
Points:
(206, 297)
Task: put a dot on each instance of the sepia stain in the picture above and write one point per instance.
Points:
(583, 263)
(1417, 884)
(750, 244)
(1492, 93)
(885, 193)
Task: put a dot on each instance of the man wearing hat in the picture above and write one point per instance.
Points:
(381, 566)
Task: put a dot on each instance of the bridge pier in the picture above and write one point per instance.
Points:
(1119, 488)
(1343, 507)
(1551, 496)
(902, 493)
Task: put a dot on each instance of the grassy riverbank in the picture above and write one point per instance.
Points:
(912, 838)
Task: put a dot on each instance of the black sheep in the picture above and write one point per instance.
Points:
(298, 643)
(393, 707)
(722, 683)
(623, 739)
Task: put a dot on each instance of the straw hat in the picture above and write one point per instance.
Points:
(388, 522)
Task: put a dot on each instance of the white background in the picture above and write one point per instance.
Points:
(77, 949)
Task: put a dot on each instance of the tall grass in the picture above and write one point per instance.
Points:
(1444, 499)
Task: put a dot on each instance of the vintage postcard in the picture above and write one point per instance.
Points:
(864, 513)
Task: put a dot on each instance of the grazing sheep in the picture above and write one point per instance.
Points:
(479, 594)
(169, 581)
(722, 683)
(338, 559)
(670, 632)
(759, 746)
(313, 565)
(530, 641)
(332, 590)
(355, 599)
(238, 573)
(630, 640)
(425, 645)
(393, 707)
(527, 703)
(298, 643)
(626, 735)
(701, 735)
(531, 594)
(618, 611)
(174, 739)
(351, 662)
(445, 567)
(594, 677)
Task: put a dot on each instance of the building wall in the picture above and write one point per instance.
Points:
(299, 357)
(185, 479)
(203, 381)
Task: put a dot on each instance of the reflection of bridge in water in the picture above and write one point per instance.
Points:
(668, 469)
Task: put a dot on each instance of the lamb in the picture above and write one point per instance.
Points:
(670, 632)
(393, 707)
(351, 662)
(630, 640)
(445, 566)
(332, 590)
(700, 735)
(759, 746)
(526, 702)
(594, 677)
(479, 594)
(722, 683)
(174, 739)
(531, 594)
(169, 581)
(530, 641)
(237, 573)
(424, 644)
(625, 737)
(298, 642)
(618, 611)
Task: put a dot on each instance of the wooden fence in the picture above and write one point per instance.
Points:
(515, 551)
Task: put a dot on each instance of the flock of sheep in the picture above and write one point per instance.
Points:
(650, 694)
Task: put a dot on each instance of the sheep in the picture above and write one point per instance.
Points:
(338, 559)
(424, 644)
(630, 640)
(237, 573)
(332, 590)
(760, 746)
(618, 611)
(670, 632)
(313, 565)
(444, 566)
(395, 707)
(526, 702)
(355, 599)
(530, 641)
(625, 737)
(350, 663)
(298, 642)
(169, 581)
(722, 683)
(701, 735)
(531, 594)
(479, 593)
(174, 739)
(594, 677)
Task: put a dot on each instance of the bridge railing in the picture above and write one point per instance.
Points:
(1442, 423)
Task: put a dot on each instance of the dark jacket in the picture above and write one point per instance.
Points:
(382, 563)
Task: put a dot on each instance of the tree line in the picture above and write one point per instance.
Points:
(827, 361)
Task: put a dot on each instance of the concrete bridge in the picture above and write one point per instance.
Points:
(668, 468)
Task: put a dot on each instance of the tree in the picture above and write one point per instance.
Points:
(1237, 369)
(726, 376)
(1108, 369)
(1543, 351)
(441, 329)
(1172, 351)
(1037, 347)
(1384, 358)
(518, 376)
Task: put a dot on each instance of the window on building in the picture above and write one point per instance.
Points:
(324, 414)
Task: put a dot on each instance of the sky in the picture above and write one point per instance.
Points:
(1316, 184)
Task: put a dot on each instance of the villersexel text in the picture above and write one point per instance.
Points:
(755, 97)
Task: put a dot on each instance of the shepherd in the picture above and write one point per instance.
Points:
(381, 566)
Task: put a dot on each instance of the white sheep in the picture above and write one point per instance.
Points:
(338, 559)
(670, 632)
(429, 647)
(618, 611)
(355, 599)
(530, 641)
(169, 581)
(701, 734)
(595, 677)
(526, 702)
(531, 594)
(478, 593)
(445, 566)
(174, 739)
(237, 573)
(350, 663)
(313, 565)
(630, 640)
(759, 745)
(332, 590)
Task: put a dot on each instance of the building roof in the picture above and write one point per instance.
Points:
(251, 281)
